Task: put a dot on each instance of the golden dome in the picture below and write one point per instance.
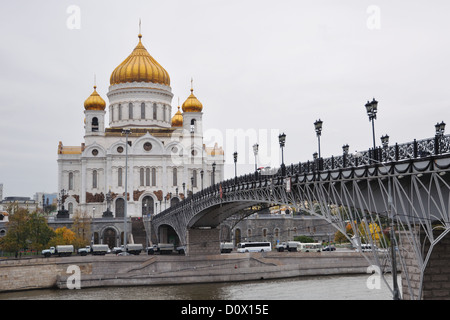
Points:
(140, 67)
(192, 104)
(177, 120)
(95, 102)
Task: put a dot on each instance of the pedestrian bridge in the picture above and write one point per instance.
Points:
(365, 196)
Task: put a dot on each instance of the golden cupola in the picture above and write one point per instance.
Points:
(95, 102)
(140, 67)
(177, 120)
(192, 104)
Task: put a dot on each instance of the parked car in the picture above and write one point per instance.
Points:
(329, 248)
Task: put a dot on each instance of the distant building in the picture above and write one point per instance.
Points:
(22, 202)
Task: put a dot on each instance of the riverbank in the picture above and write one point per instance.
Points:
(143, 270)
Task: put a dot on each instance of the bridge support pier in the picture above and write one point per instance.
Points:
(203, 241)
(436, 278)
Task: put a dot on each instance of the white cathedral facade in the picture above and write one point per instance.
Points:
(165, 158)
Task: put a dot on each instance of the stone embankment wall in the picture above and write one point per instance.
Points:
(109, 270)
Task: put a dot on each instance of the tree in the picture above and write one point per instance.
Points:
(16, 238)
(39, 232)
(82, 228)
(63, 236)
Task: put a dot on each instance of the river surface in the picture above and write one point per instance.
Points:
(348, 287)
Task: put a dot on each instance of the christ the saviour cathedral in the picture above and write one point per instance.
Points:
(155, 158)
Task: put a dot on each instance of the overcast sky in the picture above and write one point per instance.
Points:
(260, 66)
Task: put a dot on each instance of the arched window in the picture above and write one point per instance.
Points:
(193, 125)
(70, 207)
(147, 177)
(164, 113)
(174, 177)
(120, 112)
(153, 177)
(141, 176)
(154, 111)
(194, 175)
(119, 177)
(142, 110)
(94, 179)
(130, 111)
(94, 124)
(70, 181)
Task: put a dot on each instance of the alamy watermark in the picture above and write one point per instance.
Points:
(73, 21)
(374, 281)
(74, 280)
(374, 20)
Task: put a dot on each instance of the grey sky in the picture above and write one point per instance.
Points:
(256, 65)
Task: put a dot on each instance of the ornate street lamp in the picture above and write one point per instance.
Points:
(318, 127)
(214, 173)
(345, 148)
(282, 141)
(201, 175)
(440, 129)
(372, 108)
(126, 132)
(235, 155)
(255, 152)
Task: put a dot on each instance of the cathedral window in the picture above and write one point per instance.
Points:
(70, 181)
(192, 125)
(94, 179)
(164, 113)
(94, 124)
(70, 207)
(175, 177)
(141, 176)
(119, 177)
(120, 112)
(142, 110)
(194, 175)
(154, 111)
(130, 111)
(153, 177)
(147, 177)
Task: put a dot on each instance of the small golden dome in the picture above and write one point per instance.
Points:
(95, 102)
(140, 67)
(192, 104)
(177, 120)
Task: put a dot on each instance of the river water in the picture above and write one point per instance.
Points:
(348, 287)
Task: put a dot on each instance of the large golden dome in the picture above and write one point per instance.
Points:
(94, 102)
(192, 104)
(177, 120)
(140, 67)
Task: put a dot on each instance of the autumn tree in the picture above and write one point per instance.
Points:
(63, 236)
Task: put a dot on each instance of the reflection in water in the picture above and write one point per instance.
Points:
(352, 287)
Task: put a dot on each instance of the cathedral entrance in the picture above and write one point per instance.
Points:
(109, 237)
(120, 208)
(147, 206)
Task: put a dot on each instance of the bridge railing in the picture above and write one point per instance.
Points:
(398, 152)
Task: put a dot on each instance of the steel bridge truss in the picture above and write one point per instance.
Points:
(363, 199)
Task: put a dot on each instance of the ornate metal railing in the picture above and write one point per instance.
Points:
(394, 153)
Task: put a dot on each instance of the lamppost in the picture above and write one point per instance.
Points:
(201, 175)
(255, 152)
(318, 127)
(126, 132)
(235, 155)
(440, 129)
(385, 144)
(282, 141)
(345, 148)
(396, 291)
(214, 173)
(371, 108)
